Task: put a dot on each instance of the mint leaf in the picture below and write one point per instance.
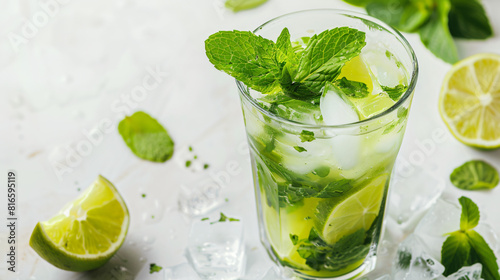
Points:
(335, 189)
(468, 19)
(455, 252)
(322, 61)
(240, 5)
(470, 214)
(294, 238)
(351, 88)
(395, 92)
(482, 253)
(405, 15)
(359, 3)
(247, 57)
(300, 149)
(436, 36)
(147, 138)
(306, 136)
(475, 175)
(154, 268)
(286, 52)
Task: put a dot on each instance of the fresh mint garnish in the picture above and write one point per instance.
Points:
(154, 268)
(335, 189)
(395, 92)
(475, 175)
(147, 138)
(266, 66)
(300, 149)
(306, 136)
(224, 218)
(240, 5)
(351, 88)
(466, 247)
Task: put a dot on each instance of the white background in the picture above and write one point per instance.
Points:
(83, 59)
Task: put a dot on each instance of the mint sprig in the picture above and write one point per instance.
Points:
(466, 247)
(269, 67)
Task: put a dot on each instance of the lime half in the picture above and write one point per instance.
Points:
(87, 232)
(470, 101)
(356, 211)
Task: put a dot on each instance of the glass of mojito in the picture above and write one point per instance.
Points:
(325, 97)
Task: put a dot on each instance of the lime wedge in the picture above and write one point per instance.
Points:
(354, 211)
(470, 101)
(87, 232)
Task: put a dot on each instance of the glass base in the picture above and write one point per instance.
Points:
(367, 266)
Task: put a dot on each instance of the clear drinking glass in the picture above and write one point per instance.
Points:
(336, 237)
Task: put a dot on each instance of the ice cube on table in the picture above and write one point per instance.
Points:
(412, 192)
(217, 250)
(442, 218)
(199, 198)
(472, 272)
(337, 110)
(413, 263)
(182, 271)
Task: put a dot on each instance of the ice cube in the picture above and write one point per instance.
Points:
(200, 197)
(336, 110)
(182, 271)
(472, 272)
(413, 191)
(443, 218)
(384, 66)
(216, 250)
(413, 263)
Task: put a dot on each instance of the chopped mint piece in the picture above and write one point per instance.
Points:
(195, 157)
(306, 136)
(466, 247)
(470, 214)
(190, 148)
(78, 189)
(475, 175)
(204, 219)
(143, 195)
(188, 163)
(300, 149)
(351, 88)
(205, 166)
(226, 199)
(404, 259)
(154, 268)
(395, 92)
(147, 138)
(335, 189)
(240, 5)
(153, 216)
(224, 218)
(294, 238)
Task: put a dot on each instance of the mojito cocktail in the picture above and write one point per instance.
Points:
(325, 97)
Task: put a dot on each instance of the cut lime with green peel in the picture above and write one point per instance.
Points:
(87, 232)
(342, 216)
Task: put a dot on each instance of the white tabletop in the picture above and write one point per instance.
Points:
(67, 67)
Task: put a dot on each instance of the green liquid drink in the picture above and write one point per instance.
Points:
(325, 110)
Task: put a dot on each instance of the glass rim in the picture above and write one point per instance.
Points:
(243, 89)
